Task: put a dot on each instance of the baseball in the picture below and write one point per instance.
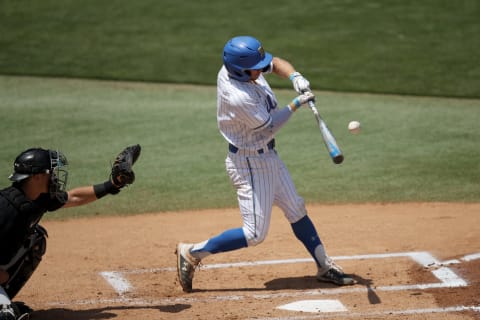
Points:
(354, 127)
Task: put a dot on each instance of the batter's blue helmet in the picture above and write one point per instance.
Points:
(244, 53)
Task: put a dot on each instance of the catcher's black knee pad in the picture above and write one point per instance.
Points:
(28, 260)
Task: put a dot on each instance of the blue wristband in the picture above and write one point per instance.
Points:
(293, 75)
(297, 103)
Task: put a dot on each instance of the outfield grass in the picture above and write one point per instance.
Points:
(427, 47)
(411, 148)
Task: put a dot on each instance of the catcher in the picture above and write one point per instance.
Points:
(39, 185)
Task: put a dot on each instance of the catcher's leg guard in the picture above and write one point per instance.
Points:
(26, 261)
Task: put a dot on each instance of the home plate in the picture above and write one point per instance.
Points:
(314, 306)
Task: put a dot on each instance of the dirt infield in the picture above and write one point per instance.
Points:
(411, 261)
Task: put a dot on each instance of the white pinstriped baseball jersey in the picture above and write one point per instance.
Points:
(261, 179)
(243, 109)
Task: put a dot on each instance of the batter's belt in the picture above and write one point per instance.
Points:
(270, 146)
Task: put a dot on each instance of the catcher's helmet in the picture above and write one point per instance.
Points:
(30, 162)
(37, 160)
(244, 53)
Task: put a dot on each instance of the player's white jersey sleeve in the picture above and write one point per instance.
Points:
(243, 110)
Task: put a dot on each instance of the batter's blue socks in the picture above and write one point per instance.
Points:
(229, 240)
(305, 232)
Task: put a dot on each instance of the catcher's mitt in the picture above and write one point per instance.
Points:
(122, 173)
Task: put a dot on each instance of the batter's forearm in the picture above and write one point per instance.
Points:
(282, 67)
(285, 69)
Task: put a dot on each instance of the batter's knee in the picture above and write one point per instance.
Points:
(296, 211)
(253, 238)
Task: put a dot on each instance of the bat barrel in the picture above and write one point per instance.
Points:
(327, 136)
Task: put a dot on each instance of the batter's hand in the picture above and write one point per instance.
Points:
(300, 84)
(301, 100)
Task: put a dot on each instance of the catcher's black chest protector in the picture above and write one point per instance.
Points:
(22, 240)
(18, 218)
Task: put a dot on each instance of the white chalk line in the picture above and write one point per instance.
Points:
(388, 313)
(117, 281)
(471, 257)
(124, 300)
(423, 258)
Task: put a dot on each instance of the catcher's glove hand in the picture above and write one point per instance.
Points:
(122, 173)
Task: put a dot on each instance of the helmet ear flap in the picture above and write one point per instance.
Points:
(241, 75)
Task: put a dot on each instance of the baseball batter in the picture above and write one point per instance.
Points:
(248, 117)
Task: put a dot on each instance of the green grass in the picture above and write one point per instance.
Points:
(410, 149)
(427, 47)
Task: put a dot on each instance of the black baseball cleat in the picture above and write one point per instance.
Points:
(336, 276)
(7, 312)
(22, 310)
(186, 265)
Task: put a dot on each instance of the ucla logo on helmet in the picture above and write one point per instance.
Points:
(262, 52)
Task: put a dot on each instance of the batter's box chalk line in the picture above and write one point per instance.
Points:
(118, 280)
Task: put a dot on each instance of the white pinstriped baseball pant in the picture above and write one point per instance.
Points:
(261, 181)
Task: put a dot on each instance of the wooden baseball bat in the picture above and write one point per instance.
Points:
(327, 136)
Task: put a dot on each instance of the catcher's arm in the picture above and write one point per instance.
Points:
(122, 173)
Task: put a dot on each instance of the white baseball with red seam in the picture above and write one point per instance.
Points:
(354, 127)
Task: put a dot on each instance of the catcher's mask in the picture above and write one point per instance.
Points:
(59, 175)
(38, 160)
